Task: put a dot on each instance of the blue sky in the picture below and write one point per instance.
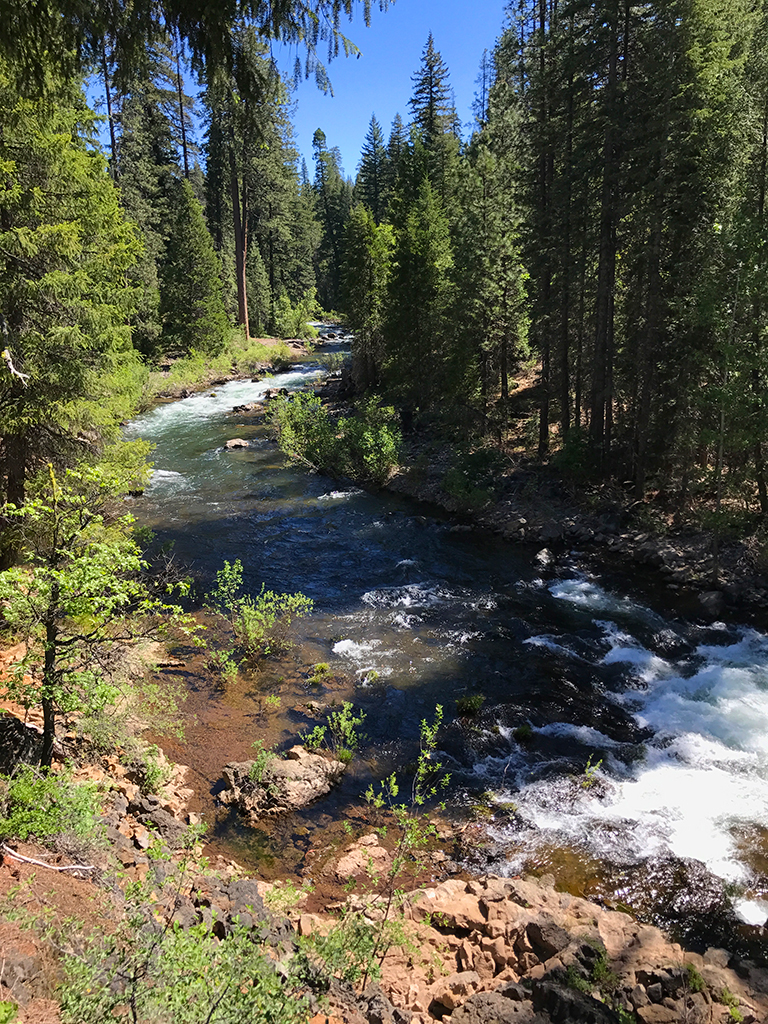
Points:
(380, 80)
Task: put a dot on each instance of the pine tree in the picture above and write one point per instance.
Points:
(333, 202)
(191, 294)
(65, 250)
(435, 120)
(147, 158)
(491, 315)
(367, 266)
(419, 303)
(372, 186)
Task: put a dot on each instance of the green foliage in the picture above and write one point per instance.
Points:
(292, 321)
(8, 1012)
(191, 301)
(590, 773)
(695, 981)
(44, 805)
(154, 770)
(600, 976)
(171, 975)
(223, 662)
(732, 1002)
(415, 832)
(65, 250)
(523, 733)
(263, 759)
(260, 624)
(285, 896)
(80, 595)
(367, 266)
(313, 740)
(343, 731)
(365, 446)
(321, 671)
(470, 705)
(341, 734)
(347, 952)
(305, 432)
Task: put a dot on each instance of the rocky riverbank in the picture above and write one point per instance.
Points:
(487, 950)
(530, 504)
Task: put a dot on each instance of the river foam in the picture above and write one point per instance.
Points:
(697, 785)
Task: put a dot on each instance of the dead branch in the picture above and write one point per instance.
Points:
(41, 863)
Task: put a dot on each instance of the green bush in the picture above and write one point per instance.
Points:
(170, 975)
(260, 623)
(291, 321)
(263, 759)
(41, 804)
(470, 704)
(365, 446)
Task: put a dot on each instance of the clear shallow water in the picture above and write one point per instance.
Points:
(675, 712)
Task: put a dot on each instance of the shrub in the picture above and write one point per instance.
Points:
(291, 321)
(365, 446)
(41, 804)
(260, 623)
(147, 971)
(343, 729)
(470, 704)
(264, 757)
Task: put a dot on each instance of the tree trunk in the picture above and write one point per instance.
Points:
(49, 680)
(114, 167)
(182, 120)
(607, 256)
(241, 241)
(15, 493)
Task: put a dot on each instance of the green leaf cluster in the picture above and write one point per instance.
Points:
(46, 805)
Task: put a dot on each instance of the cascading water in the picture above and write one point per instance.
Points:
(674, 714)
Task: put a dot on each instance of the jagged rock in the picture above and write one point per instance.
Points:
(454, 990)
(236, 442)
(285, 785)
(364, 857)
(494, 1008)
(567, 1005)
(19, 743)
(713, 602)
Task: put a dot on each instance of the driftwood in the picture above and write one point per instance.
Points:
(41, 863)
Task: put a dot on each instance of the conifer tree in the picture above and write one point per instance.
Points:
(367, 266)
(333, 202)
(435, 120)
(419, 303)
(65, 250)
(191, 294)
(372, 184)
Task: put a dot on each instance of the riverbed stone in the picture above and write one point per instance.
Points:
(365, 857)
(285, 785)
(236, 442)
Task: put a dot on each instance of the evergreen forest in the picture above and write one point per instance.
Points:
(582, 267)
(572, 287)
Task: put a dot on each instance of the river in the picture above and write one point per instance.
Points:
(644, 779)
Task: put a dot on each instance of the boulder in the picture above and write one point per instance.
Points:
(236, 442)
(454, 990)
(285, 784)
(494, 1008)
(365, 857)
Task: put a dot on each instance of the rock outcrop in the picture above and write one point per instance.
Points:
(285, 784)
(514, 951)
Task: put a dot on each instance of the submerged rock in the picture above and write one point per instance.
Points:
(284, 784)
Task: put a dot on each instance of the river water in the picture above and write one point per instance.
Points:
(673, 820)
